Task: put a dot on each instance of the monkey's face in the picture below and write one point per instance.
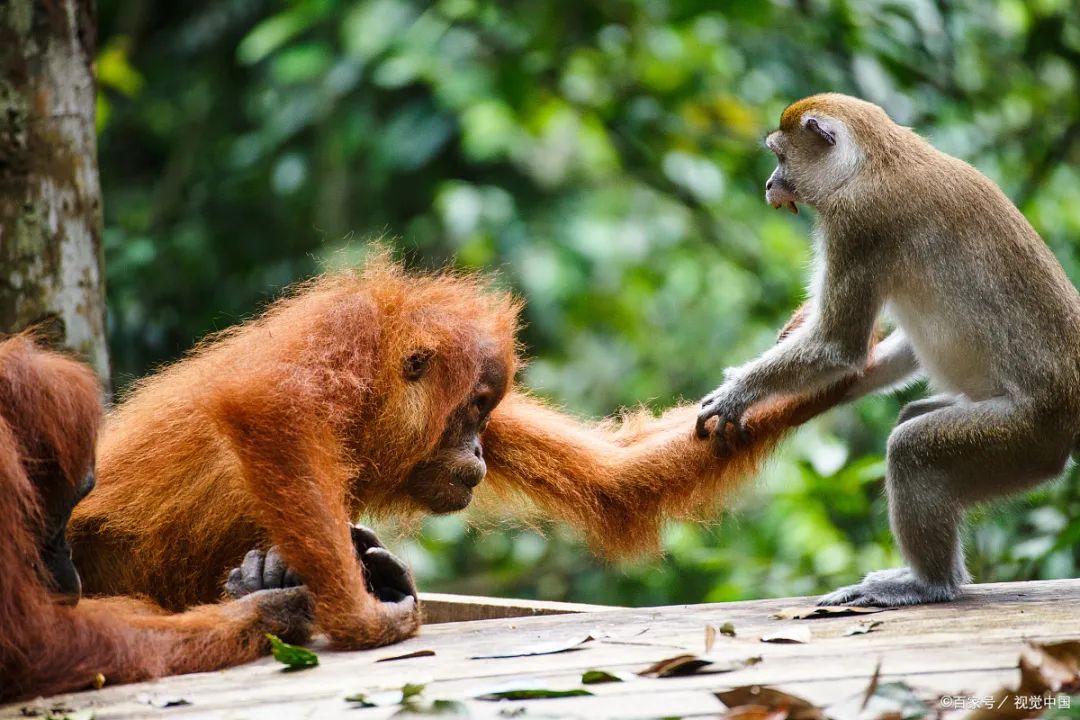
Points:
(814, 159)
(444, 481)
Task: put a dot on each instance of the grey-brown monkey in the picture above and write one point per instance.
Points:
(981, 306)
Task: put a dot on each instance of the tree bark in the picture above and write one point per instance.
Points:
(51, 265)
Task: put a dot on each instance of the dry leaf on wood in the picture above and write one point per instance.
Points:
(862, 627)
(754, 712)
(792, 634)
(772, 699)
(711, 631)
(161, 701)
(672, 666)
(811, 612)
(899, 700)
(406, 656)
(547, 647)
(692, 664)
(1044, 668)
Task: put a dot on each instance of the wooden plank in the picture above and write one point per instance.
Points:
(445, 608)
(968, 647)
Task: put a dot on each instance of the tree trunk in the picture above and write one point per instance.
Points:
(51, 269)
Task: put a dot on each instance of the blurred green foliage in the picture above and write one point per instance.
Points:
(605, 159)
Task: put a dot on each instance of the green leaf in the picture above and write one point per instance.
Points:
(452, 708)
(275, 31)
(595, 677)
(383, 698)
(114, 70)
(533, 694)
(293, 656)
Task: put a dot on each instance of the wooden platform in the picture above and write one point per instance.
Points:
(968, 648)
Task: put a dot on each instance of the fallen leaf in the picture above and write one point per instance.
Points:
(293, 657)
(99, 681)
(862, 627)
(791, 634)
(623, 639)
(898, 700)
(678, 665)
(812, 612)
(40, 709)
(1048, 668)
(444, 708)
(872, 687)
(384, 698)
(56, 711)
(406, 656)
(548, 647)
(161, 701)
(754, 712)
(1061, 661)
(533, 694)
(758, 696)
(733, 665)
(711, 632)
(596, 677)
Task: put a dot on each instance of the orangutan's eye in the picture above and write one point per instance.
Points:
(483, 403)
(417, 364)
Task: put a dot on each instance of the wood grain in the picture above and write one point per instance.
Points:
(967, 647)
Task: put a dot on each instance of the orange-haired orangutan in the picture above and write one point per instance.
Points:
(375, 391)
(49, 415)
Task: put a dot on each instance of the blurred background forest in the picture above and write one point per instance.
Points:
(604, 158)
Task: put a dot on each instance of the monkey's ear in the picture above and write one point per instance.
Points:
(417, 363)
(822, 128)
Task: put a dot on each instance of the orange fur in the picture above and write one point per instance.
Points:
(280, 430)
(49, 414)
(620, 481)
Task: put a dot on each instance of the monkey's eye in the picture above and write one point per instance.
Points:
(483, 403)
(417, 364)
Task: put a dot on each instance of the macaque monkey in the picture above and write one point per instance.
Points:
(981, 305)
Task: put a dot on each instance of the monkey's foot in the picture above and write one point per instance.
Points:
(891, 588)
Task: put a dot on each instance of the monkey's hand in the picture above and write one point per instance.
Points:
(387, 577)
(728, 403)
(288, 613)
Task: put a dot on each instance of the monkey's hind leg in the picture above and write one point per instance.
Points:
(938, 463)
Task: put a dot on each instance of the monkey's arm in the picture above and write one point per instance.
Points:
(892, 363)
(831, 346)
(619, 482)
